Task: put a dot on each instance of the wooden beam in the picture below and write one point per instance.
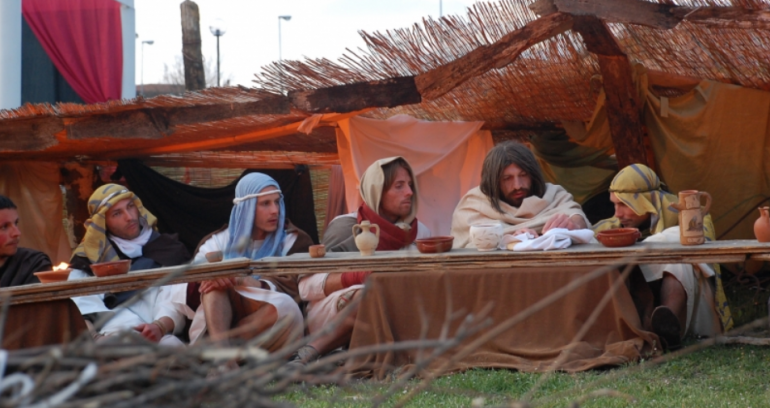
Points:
(194, 74)
(656, 15)
(29, 134)
(158, 122)
(624, 109)
(352, 97)
(440, 80)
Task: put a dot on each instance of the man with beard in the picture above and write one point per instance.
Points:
(121, 228)
(389, 191)
(672, 299)
(17, 265)
(513, 192)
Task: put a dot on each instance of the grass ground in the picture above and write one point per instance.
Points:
(721, 376)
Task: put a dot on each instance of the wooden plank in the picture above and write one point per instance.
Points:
(440, 80)
(624, 109)
(29, 134)
(656, 15)
(131, 281)
(150, 123)
(352, 97)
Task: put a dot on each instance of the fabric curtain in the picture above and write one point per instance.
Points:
(84, 40)
(34, 188)
(446, 158)
(194, 212)
(714, 138)
(335, 203)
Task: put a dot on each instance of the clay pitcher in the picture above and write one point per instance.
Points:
(691, 214)
(762, 225)
(366, 240)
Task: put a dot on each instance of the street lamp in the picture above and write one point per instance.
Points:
(149, 42)
(283, 79)
(218, 29)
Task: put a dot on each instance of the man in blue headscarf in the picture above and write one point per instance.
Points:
(257, 229)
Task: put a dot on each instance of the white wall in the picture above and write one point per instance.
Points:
(10, 54)
(128, 24)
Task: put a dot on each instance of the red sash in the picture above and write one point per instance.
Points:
(392, 238)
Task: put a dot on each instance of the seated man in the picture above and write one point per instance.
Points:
(121, 228)
(258, 228)
(17, 265)
(514, 192)
(390, 200)
(684, 302)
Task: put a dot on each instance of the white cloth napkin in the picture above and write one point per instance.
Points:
(557, 238)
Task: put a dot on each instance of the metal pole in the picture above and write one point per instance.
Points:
(142, 68)
(218, 61)
(283, 88)
(440, 8)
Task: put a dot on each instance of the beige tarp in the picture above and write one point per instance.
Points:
(34, 188)
(714, 138)
(446, 158)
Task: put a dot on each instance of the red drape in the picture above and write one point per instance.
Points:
(83, 38)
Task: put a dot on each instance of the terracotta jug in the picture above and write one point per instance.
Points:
(762, 225)
(366, 240)
(691, 214)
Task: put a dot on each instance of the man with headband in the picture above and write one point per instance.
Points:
(389, 190)
(245, 307)
(120, 227)
(681, 292)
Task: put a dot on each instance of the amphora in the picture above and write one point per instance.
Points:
(762, 225)
(691, 214)
(366, 240)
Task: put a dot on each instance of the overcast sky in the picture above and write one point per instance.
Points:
(318, 28)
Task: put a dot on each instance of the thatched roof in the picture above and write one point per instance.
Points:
(500, 64)
(551, 81)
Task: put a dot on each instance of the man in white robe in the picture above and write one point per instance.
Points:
(514, 193)
(121, 228)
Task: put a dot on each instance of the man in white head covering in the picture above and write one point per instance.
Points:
(245, 307)
(389, 190)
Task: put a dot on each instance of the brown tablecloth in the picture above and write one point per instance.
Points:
(41, 324)
(390, 313)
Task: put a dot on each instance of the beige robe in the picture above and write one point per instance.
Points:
(475, 208)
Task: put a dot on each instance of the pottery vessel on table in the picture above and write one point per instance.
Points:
(486, 237)
(691, 214)
(762, 225)
(317, 251)
(53, 276)
(111, 268)
(618, 237)
(366, 240)
(215, 256)
(434, 245)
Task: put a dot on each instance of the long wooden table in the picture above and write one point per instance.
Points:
(735, 251)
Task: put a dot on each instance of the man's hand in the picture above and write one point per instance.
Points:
(150, 332)
(564, 221)
(218, 284)
(527, 230)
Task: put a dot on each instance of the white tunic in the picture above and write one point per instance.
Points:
(285, 306)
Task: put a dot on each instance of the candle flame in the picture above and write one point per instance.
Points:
(61, 267)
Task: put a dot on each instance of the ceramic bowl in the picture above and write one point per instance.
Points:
(434, 245)
(317, 251)
(619, 237)
(53, 276)
(486, 237)
(111, 268)
(215, 256)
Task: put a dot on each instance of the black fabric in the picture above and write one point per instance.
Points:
(18, 269)
(193, 212)
(599, 207)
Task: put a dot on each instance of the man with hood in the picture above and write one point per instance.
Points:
(514, 192)
(684, 299)
(120, 227)
(389, 190)
(245, 307)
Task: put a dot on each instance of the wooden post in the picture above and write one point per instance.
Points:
(194, 76)
(624, 109)
(78, 180)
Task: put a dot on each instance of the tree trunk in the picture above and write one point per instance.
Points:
(194, 77)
